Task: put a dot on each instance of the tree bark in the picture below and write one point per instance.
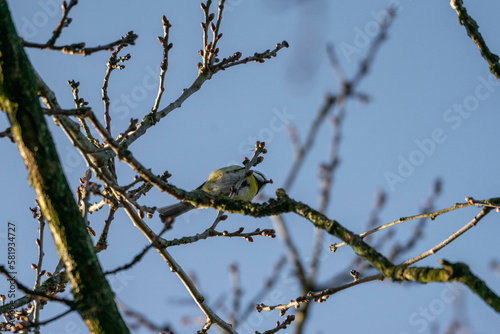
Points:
(93, 297)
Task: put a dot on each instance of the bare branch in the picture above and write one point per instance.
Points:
(114, 62)
(142, 320)
(39, 271)
(236, 293)
(279, 326)
(452, 237)
(63, 23)
(80, 49)
(102, 243)
(398, 249)
(209, 232)
(473, 32)
(492, 203)
(66, 112)
(319, 297)
(292, 251)
(268, 284)
(202, 77)
(164, 64)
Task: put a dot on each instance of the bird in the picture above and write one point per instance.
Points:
(220, 183)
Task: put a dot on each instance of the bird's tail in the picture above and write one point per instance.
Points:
(174, 210)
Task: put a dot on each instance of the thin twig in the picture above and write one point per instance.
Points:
(213, 233)
(39, 271)
(142, 320)
(452, 237)
(80, 49)
(292, 252)
(207, 18)
(272, 280)
(114, 62)
(258, 57)
(327, 177)
(236, 289)
(302, 150)
(365, 64)
(80, 104)
(138, 257)
(63, 23)
(320, 296)
(374, 214)
(54, 318)
(102, 243)
(99, 205)
(220, 217)
(279, 326)
(398, 249)
(164, 64)
(215, 32)
(493, 202)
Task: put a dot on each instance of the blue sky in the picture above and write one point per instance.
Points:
(432, 113)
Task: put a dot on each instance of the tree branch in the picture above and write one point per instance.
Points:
(80, 49)
(473, 32)
(19, 99)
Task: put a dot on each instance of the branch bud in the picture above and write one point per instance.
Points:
(165, 21)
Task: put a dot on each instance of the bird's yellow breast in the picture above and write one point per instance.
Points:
(221, 180)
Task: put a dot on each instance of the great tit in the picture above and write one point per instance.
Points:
(219, 183)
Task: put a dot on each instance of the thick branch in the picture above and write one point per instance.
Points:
(18, 98)
(284, 204)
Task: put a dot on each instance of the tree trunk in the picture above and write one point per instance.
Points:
(92, 294)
